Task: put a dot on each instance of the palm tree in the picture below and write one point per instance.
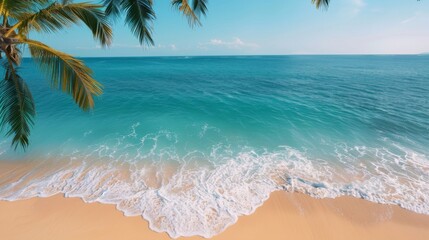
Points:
(70, 75)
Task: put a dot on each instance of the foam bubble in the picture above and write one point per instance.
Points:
(202, 194)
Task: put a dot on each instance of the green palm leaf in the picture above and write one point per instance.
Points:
(320, 3)
(66, 73)
(94, 19)
(113, 7)
(47, 19)
(17, 108)
(57, 16)
(14, 8)
(139, 16)
(192, 11)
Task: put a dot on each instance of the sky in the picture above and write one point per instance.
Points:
(270, 27)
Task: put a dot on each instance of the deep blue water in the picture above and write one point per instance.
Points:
(323, 125)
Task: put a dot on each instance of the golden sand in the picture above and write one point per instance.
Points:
(283, 216)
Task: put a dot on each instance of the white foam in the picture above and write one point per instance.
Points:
(187, 197)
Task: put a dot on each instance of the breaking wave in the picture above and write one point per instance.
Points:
(202, 193)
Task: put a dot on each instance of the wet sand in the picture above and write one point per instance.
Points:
(283, 216)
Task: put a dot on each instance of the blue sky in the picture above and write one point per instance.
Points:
(235, 27)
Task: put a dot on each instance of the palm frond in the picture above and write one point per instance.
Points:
(113, 7)
(200, 6)
(17, 110)
(14, 8)
(47, 19)
(66, 73)
(192, 11)
(139, 16)
(320, 3)
(57, 16)
(94, 19)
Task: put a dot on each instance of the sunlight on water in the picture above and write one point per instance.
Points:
(191, 144)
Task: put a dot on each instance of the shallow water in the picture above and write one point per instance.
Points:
(191, 143)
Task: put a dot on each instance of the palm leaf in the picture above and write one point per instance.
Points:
(320, 3)
(94, 19)
(14, 8)
(192, 11)
(57, 16)
(50, 18)
(139, 16)
(66, 73)
(17, 110)
(113, 7)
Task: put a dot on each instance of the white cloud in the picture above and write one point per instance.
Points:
(120, 45)
(358, 5)
(89, 48)
(235, 43)
(131, 46)
(165, 47)
(113, 45)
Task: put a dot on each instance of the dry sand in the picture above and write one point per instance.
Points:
(283, 216)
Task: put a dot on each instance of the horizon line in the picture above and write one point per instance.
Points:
(259, 55)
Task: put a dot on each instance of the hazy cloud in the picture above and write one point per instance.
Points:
(131, 46)
(165, 47)
(358, 5)
(235, 43)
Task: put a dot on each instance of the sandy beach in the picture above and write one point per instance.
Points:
(205, 119)
(283, 216)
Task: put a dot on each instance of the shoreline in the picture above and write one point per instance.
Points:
(295, 215)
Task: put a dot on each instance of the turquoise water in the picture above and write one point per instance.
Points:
(232, 129)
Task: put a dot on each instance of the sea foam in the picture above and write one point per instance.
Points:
(203, 194)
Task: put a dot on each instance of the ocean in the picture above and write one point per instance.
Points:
(192, 143)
